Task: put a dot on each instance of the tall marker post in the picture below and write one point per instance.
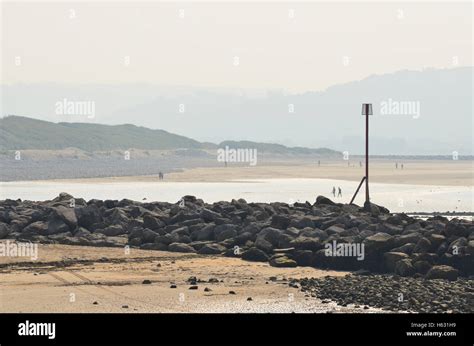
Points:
(366, 110)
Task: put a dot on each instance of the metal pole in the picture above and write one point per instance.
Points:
(367, 199)
(358, 188)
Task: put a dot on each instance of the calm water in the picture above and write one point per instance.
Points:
(396, 197)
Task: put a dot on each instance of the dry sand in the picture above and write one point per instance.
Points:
(439, 173)
(71, 278)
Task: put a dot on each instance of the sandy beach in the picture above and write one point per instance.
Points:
(88, 279)
(444, 173)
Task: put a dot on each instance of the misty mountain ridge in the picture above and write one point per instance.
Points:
(330, 118)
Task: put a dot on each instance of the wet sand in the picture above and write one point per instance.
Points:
(71, 278)
(440, 173)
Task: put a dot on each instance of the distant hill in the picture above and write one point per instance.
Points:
(20, 133)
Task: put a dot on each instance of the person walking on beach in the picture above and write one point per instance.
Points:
(319, 163)
(360, 163)
(334, 191)
(396, 165)
(339, 192)
(402, 165)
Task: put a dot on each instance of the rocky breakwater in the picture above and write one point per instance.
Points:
(323, 234)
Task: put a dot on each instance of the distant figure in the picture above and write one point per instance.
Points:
(161, 176)
(348, 163)
(334, 191)
(339, 192)
(396, 165)
(225, 163)
(319, 163)
(402, 165)
(360, 163)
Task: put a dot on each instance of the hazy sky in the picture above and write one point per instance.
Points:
(284, 45)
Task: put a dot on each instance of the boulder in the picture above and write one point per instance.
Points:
(228, 231)
(209, 215)
(205, 233)
(254, 254)
(456, 229)
(442, 272)
(4, 230)
(212, 249)
(280, 221)
(334, 230)
(436, 240)
(379, 242)
(167, 239)
(305, 243)
(423, 245)
(88, 215)
(407, 248)
(154, 246)
(389, 229)
(180, 247)
(404, 267)
(470, 247)
(148, 236)
(391, 259)
(321, 200)
(56, 225)
(282, 261)
(407, 238)
(263, 245)
(152, 222)
(112, 230)
(422, 266)
(35, 228)
(67, 214)
(303, 257)
(226, 234)
(302, 223)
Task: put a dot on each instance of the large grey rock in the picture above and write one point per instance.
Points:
(67, 214)
(391, 259)
(423, 245)
(303, 257)
(212, 249)
(180, 247)
(209, 215)
(407, 238)
(112, 230)
(282, 261)
(56, 225)
(305, 243)
(405, 267)
(443, 272)
(280, 221)
(254, 254)
(263, 245)
(152, 222)
(379, 242)
(321, 200)
(88, 215)
(205, 233)
(4, 230)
